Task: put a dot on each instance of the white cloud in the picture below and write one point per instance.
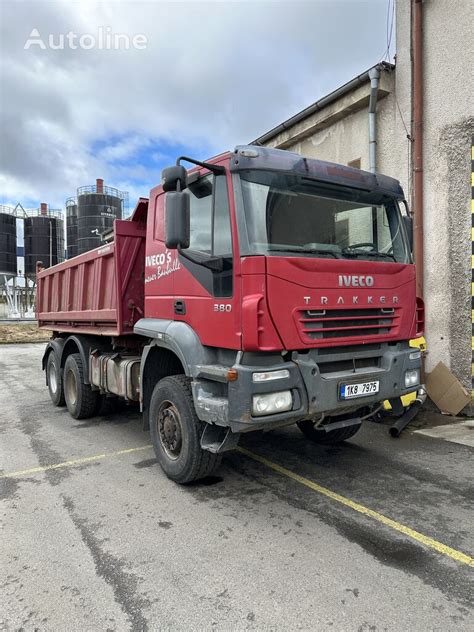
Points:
(213, 75)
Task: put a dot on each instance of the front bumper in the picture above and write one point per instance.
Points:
(314, 380)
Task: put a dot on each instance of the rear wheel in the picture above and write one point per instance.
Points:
(55, 380)
(81, 400)
(176, 432)
(319, 435)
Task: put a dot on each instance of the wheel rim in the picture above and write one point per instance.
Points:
(52, 379)
(170, 430)
(70, 387)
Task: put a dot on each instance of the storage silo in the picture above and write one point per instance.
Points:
(97, 208)
(44, 238)
(71, 227)
(8, 266)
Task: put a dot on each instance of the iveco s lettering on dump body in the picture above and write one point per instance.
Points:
(257, 290)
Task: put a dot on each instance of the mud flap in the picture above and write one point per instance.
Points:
(217, 439)
(337, 425)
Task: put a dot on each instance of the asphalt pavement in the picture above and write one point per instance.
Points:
(373, 535)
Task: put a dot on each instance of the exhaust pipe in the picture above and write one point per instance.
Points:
(403, 421)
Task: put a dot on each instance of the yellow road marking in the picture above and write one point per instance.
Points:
(397, 526)
(393, 524)
(73, 462)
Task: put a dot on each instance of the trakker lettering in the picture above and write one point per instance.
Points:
(355, 299)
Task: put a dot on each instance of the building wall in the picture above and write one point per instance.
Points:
(448, 128)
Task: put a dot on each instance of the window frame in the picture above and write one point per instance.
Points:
(211, 254)
(366, 197)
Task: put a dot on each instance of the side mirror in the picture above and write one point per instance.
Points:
(172, 176)
(408, 221)
(177, 221)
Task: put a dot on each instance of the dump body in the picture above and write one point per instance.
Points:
(99, 292)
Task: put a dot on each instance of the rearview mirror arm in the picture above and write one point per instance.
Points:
(217, 169)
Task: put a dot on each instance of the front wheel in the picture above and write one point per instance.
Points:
(176, 432)
(318, 435)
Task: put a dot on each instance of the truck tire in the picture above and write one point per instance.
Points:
(322, 437)
(176, 432)
(81, 400)
(55, 380)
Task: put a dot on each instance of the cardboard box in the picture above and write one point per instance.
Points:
(446, 390)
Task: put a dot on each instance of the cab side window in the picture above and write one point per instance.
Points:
(209, 217)
(211, 232)
(222, 242)
(200, 199)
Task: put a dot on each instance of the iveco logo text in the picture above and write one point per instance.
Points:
(346, 280)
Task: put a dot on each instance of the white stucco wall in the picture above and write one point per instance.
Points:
(448, 127)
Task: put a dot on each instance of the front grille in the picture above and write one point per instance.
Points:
(324, 324)
(353, 364)
(353, 349)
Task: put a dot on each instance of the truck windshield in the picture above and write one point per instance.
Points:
(301, 217)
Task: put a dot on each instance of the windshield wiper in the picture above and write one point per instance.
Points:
(367, 253)
(303, 251)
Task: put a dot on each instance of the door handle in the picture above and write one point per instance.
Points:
(180, 307)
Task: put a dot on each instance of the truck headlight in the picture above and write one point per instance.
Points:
(412, 378)
(271, 403)
(268, 376)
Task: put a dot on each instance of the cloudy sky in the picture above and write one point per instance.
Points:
(211, 75)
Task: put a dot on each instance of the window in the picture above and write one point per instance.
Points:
(211, 234)
(200, 202)
(209, 218)
(160, 217)
(287, 214)
(222, 246)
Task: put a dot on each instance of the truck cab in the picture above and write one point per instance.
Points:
(298, 271)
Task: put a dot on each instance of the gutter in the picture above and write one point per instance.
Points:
(323, 102)
(374, 75)
(417, 69)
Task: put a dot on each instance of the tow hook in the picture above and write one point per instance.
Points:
(403, 421)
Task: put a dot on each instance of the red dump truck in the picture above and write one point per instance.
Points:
(256, 290)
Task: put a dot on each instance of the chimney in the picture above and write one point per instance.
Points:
(43, 208)
(99, 185)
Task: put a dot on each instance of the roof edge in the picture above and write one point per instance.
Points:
(323, 102)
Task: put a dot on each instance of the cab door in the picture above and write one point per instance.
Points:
(207, 296)
(160, 262)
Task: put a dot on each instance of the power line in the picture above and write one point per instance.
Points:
(389, 21)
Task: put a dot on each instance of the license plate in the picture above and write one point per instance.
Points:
(362, 389)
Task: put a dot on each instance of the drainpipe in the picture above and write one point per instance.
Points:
(374, 76)
(417, 112)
